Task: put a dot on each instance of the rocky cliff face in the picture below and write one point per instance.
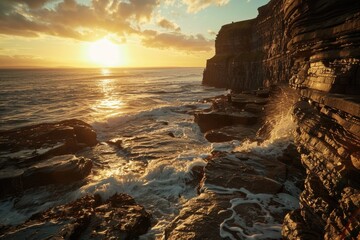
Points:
(314, 46)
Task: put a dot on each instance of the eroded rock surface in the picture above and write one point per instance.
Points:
(89, 217)
(329, 204)
(314, 47)
(41, 154)
(241, 193)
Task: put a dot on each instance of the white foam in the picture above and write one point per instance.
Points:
(161, 189)
(235, 226)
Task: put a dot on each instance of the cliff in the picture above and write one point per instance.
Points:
(312, 45)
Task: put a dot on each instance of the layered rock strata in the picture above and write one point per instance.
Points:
(313, 45)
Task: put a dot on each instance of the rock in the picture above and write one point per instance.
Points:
(194, 219)
(220, 172)
(234, 132)
(312, 46)
(214, 136)
(329, 152)
(33, 143)
(36, 155)
(355, 160)
(215, 120)
(118, 142)
(63, 169)
(86, 218)
(264, 93)
(253, 108)
(241, 100)
(228, 179)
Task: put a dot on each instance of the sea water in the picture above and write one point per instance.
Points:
(150, 111)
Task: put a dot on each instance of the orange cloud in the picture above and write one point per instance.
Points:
(177, 41)
(73, 20)
(99, 18)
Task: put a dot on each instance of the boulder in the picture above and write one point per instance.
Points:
(63, 169)
(89, 217)
(36, 142)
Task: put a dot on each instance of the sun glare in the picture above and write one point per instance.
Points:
(105, 53)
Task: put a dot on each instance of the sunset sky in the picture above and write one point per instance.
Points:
(114, 33)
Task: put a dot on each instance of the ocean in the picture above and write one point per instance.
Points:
(148, 109)
(151, 111)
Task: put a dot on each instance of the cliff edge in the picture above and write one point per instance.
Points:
(314, 46)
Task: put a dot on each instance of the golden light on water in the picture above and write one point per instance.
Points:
(110, 104)
(105, 53)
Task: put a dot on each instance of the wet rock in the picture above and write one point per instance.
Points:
(197, 215)
(118, 142)
(35, 155)
(228, 178)
(260, 177)
(318, 54)
(89, 217)
(215, 120)
(63, 169)
(32, 143)
(253, 108)
(228, 133)
(263, 93)
(241, 100)
(214, 136)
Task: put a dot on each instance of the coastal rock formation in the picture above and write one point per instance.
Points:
(89, 217)
(244, 192)
(312, 45)
(37, 155)
(234, 117)
(241, 194)
(328, 139)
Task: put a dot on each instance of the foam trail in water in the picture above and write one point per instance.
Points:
(161, 189)
(263, 225)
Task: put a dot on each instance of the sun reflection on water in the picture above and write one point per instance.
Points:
(110, 104)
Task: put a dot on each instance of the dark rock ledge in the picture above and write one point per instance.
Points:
(41, 154)
(89, 217)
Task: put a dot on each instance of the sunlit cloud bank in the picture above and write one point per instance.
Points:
(92, 20)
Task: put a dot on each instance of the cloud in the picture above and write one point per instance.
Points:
(166, 24)
(21, 61)
(73, 20)
(33, 3)
(194, 6)
(211, 32)
(177, 41)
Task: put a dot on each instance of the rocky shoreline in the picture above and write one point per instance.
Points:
(240, 184)
(46, 155)
(51, 155)
(313, 47)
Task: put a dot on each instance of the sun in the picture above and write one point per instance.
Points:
(105, 53)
